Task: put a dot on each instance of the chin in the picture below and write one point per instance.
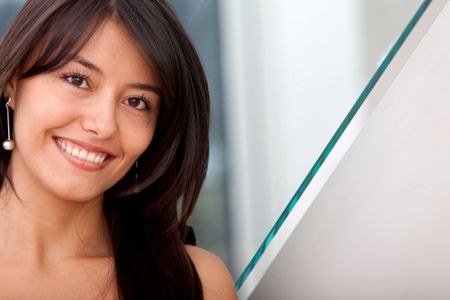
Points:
(77, 193)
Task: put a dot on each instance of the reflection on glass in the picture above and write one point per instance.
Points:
(293, 72)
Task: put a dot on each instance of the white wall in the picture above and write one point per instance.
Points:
(379, 227)
(292, 71)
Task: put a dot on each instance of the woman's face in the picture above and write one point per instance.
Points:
(79, 129)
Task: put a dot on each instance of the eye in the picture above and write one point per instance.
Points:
(139, 103)
(78, 80)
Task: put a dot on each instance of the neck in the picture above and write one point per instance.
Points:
(43, 230)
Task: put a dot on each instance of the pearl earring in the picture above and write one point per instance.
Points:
(9, 143)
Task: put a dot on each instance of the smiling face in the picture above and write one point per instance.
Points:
(80, 128)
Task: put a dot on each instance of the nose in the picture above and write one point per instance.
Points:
(99, 117)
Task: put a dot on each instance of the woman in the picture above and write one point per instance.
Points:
(105, 123)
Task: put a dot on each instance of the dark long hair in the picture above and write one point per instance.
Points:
(147, 219)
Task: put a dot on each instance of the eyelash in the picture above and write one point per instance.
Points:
(86, 78)
(78, 74)
(143, 99)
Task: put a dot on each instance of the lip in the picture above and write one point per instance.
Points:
(82, 164)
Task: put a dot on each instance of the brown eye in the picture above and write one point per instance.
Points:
(138, 103)
(77, 80)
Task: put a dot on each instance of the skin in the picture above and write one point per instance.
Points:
(53, 241)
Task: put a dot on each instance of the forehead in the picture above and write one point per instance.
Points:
(112, 49)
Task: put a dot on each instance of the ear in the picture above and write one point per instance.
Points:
(10, 91)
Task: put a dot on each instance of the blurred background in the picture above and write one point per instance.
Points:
(282, 76)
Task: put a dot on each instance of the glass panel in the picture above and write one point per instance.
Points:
(292, 74)
(378, 228)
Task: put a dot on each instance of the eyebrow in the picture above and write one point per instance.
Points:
(83, 61)
(140, 86)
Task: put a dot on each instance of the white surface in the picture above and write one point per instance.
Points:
(292, 71)
(379, 227)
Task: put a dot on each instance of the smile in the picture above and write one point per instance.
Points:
(81, 157)
(81, 153)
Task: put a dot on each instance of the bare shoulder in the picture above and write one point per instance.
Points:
(214, 275)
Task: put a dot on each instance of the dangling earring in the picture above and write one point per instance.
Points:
(9, 143)
(136, 187)
(136, 173)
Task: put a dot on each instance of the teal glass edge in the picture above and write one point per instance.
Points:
(332, 143)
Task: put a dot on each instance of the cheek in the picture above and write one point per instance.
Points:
(36, 117)
(136, 137)
(39, 97)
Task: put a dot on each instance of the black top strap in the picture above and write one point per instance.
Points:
(189, 237)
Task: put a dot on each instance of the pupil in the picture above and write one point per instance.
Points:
(77, 80)
(134, 102)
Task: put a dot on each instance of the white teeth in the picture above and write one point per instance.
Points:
(82, 154)
(75, 152)
(91, 157)
(62, 145)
